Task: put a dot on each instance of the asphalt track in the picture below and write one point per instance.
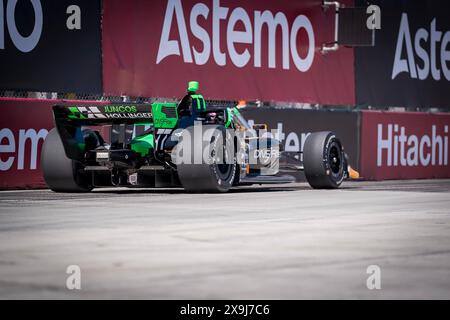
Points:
(287, 242)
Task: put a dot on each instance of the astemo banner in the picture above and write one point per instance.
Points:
(248, 49)
(410, 63)
(404, 145)
(50, 45)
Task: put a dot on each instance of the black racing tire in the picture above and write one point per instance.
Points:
(323, 160)
(209, 177)
(61, 173)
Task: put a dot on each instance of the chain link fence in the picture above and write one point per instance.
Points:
(72, 96)
(98, 97)
(255, 103)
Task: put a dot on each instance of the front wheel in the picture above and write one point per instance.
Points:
(323, 160)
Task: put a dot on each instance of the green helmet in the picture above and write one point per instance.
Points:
(192, 86)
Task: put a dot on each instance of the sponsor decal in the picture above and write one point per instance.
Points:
(404, 145)
(228, 42)
(424, 51)
(120, 109)
(109, 112)
(395, 147)
(23, 44)
(163, 122)
(253, 23)
(409, 66)
(266, 154)
(139, 115)
(13, 148)
(102, 156)
(83, 112)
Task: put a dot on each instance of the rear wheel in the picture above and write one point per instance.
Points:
(218, 169)
(323, 160)
(61, 173)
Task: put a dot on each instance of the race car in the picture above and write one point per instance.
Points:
(211, 149)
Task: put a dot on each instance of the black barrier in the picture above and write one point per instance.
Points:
(293, 125)
(51, 45)
(410, 63)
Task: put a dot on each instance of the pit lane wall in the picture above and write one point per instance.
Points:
(382, 145)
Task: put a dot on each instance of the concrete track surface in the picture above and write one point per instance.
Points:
(287, 242)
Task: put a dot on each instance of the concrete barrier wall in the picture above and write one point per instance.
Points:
(293, 126)
(24, 124)
(382, 145)
(404, 145)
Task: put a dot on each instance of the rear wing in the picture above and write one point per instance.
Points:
(69, 119)
(161, 115)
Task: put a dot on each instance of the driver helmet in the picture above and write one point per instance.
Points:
(192, 86)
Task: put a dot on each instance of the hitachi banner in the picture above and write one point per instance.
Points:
(404, 145)
(410, 63)
(236, 49)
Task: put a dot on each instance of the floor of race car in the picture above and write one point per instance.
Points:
(287, 242)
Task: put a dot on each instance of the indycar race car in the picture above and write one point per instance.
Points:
(210, 149)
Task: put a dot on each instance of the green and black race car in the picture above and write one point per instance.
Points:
(194, 146)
